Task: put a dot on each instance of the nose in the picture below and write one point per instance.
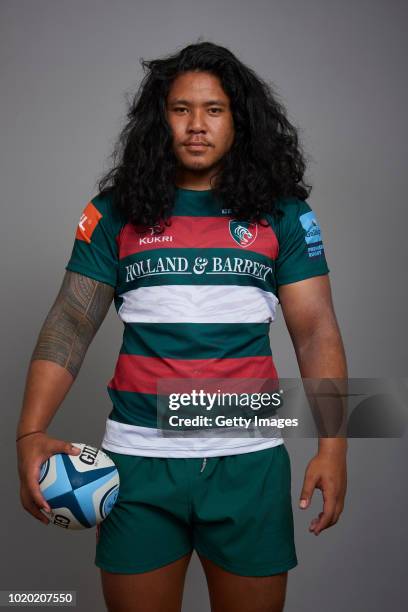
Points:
(197, 121)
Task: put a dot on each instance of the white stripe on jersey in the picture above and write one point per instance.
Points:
(150, 442)
(198, 304)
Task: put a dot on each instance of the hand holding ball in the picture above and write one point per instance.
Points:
(80, 489)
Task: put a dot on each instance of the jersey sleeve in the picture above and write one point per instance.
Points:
(301, 251)
(95, 250)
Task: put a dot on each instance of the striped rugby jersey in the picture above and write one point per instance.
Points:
(196, 302)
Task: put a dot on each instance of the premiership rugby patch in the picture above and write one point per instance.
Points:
(313, 236)
(88, 222)
(243, 232)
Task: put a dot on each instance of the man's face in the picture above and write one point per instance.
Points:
(199, 115)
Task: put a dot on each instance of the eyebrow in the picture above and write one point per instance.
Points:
(207, 103)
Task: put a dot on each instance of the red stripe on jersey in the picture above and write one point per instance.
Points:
(198, 232)
(140, 374)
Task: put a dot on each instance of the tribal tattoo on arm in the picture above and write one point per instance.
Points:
(73, 320)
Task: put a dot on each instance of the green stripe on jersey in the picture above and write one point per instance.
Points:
(218, 266)
(134, 408)
(196, 340)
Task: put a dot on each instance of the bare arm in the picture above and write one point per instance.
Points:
(72, 322)
(308, 310)
(309, 315)
(76, 315)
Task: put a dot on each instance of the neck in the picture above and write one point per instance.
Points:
(194, 180)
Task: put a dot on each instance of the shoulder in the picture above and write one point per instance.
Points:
(293, 213)
(292, 208)
(103, 205)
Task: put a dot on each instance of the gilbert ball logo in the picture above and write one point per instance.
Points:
(243, 232)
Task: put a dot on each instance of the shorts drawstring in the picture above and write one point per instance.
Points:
(203, 464)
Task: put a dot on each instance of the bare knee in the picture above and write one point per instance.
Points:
(231, 592)
(159, 590)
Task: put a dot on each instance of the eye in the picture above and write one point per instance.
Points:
(179, 109)
(214, 110)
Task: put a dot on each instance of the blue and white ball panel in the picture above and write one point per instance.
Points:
(55, 480)
(108, 500)
(63, 517)
(44, 470)
(89, 497)
(80, 489)
(90, 457)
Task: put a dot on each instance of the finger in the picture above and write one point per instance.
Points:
(326, 516)
(314, 521)
(65, 447)
(34, 491)
(339, 510)
(329, 506)
(36, 496)
(32, 508)
(309, 484)
(322, 523)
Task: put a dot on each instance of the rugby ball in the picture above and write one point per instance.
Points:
(80, 489)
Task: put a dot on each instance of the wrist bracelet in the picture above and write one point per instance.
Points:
(29, 434)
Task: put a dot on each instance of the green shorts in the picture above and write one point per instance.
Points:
(235, 510)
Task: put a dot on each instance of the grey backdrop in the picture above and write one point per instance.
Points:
(338, 67)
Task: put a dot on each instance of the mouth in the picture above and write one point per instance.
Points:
(196, 146)
(196, 143)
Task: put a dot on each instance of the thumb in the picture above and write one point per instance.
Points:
(68, 448)
(307, 492)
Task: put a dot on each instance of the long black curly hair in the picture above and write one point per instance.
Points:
(264, 164)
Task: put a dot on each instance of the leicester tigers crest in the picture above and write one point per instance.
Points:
(243, 232)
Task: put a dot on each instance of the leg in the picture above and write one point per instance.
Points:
(160, 590)
(243, 530)
(144, 544)
(231, 592)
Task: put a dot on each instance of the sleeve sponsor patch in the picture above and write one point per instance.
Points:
(89, 220)
(312, 233)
